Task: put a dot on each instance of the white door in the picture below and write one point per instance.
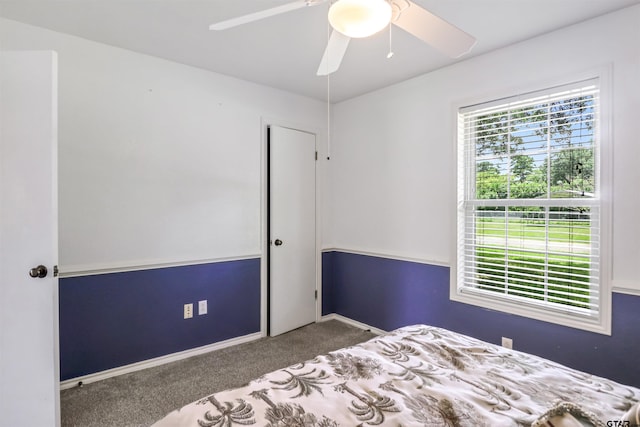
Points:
(29, 373)
(292, 227)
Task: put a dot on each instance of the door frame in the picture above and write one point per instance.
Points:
(265, 123)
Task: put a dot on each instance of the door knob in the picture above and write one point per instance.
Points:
(38, 272)
(278, 242)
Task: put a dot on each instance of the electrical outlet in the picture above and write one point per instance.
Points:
(188, 311)
(202, 307)
(507, 342)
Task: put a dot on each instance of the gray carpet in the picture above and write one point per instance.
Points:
(141, 398)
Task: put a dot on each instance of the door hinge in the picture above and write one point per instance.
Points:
(316, 294)
(316, 156)
(55, 271)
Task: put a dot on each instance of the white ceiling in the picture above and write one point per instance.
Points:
(284, 51)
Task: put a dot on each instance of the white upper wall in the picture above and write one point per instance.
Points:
(158, 162)
(392, 169)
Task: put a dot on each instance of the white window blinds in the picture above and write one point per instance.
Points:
(528, 198)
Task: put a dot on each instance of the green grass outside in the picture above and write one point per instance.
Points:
(578, 231)
(517, 269)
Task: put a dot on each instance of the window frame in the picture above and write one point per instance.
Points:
(601, 324)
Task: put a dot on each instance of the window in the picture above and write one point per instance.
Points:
(529, 205)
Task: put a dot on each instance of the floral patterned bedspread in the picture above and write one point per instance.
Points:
(414, 376)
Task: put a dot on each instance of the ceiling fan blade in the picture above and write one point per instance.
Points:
(435, 31)
(334, 53)
(287, 7)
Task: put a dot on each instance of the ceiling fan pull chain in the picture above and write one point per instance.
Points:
(390, 54)
(328, 96)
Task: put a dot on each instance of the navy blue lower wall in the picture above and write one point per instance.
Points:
(111, 320)
(387, 294)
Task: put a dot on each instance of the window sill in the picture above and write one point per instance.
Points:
(600, 326)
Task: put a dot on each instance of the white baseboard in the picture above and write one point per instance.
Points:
(145, 364)
(352, 322)
(121, 370)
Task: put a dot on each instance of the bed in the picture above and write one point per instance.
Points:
(418, 376)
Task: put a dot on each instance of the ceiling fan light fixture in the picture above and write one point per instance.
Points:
(359, 18)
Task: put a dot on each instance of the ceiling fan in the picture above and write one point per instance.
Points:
(363, 18)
